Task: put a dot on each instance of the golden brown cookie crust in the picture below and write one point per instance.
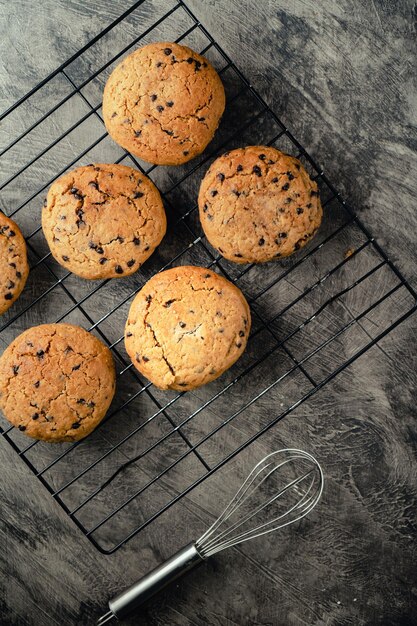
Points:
(163, 103)
(257, 204)
(103, 221)
(56, 382)
(186, 327)
(14, 268)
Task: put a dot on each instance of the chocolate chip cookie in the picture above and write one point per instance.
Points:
(163, 103)
(14, 267)
(56, 382)
(185, 327)
(103, 221)
(257, 204)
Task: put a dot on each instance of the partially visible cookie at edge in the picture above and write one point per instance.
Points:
(257, 204)
(103, 220)
(14, 268)
(56, 382)
(186, 327)
(163, 103)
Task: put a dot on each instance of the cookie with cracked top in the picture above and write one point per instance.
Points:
(103, 221)
(56, 382)
(257, 204)
(14, 268)
(186, 327)
(163, 103)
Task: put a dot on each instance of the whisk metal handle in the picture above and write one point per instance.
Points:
(184, 560)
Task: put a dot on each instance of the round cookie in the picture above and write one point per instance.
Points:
(163, 103)
(257, 204)
(56, 382)
(186, 327)
(103, 221)
(14, 268)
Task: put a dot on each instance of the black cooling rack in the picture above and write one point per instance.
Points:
(313, 314)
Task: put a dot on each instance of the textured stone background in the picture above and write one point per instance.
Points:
(342, 76)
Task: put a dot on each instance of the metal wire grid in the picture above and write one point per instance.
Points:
(313, 314)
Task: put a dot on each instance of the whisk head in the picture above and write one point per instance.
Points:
(281, 489)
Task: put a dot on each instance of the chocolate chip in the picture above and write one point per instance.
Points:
(297, 246)
(136, 241)
(182, 384)
(68, 349)
(297, 165)
(282, 235)
(262, 157)
(76, 367)
(93, 184)
(183, 324)
(22, 428)
(238, 255)
(37, 384)
(186, 153)
(169, 104)
(92, 245)
(205, 208)
(11, 233)
(45, 202)
(270, 162)
(75, 425)
(236, 192)
(241, 333)
(220, 177)
(137, 357)
(15, 369)
(153, 97)
(138, 133)
(168, 303)
(79, 212)
(138, 194)
(148, 299)
(239, 344)
(159, 64)
(62, 217)
(73, 190)
(190, 60)
(207, 275)
(91, 404)
(197, 65)
(13, 265)
(288, 200)
(245, 321)
(257, 170)
(314, 193)
(160, 108)
(167, 51)
(120, 239)
(118, 269)
(40, 354)
(35, 416)
(261, 241)
(145, 358)
(18, 275)
(290, 176)
(221, 330)
(65, 257)
(129, 334)
(146, 248)
(114, 114)
(103, 260)
(285, 187)
(299, 210)
(239, 168)
(213, 193)
(8, 296)
(81, 401)
(130, 263)
(309, 205)
(201, 119)
(10, 284)
(99, 250)
(209, 217)
(168, 132)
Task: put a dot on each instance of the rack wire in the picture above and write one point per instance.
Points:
(313, 314)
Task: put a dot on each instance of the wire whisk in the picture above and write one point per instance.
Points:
(280, 490)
